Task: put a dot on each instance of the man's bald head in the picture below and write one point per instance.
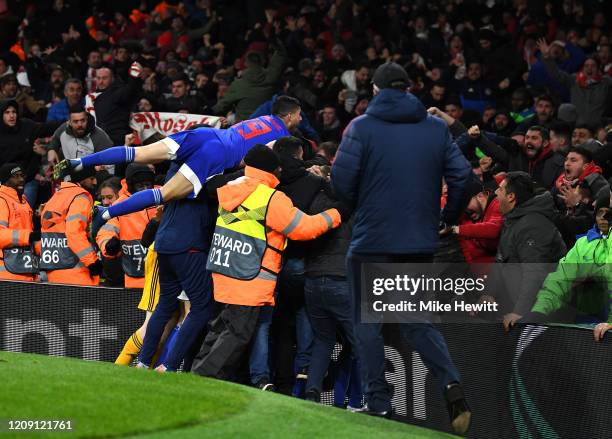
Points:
(104, 78)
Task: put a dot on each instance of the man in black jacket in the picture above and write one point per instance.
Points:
(535, 156)
(114, 103)
(301, 187)
(329, 304)
(529, 241)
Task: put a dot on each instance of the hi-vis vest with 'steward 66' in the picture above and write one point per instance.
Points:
(55, 254)
(240, 240)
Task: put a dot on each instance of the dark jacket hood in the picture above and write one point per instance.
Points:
(542, 204)
(3, 106)
(254, 74)
(396, 106)
(292, 169)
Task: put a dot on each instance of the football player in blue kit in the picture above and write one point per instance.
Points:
(201, 154)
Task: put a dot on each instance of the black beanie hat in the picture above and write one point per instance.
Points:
(7, 170)
(601, 202)
(263, 158)
(136, 172)
(474, 186)
(79, 176)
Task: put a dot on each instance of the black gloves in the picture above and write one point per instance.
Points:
(113, 246)
(95, 269)
(344, 210)
(34, 236)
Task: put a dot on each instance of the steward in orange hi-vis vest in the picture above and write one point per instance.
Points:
(17, 259)
(67, 256)
(121, 235)
(253, 225)
(250, 235)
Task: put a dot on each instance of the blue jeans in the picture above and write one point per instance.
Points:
(423, 337)
(329, 304)
(30, 189)
(259, 360)
(183, 271)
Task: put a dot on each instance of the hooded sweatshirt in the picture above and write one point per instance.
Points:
(16, 142)
(94, 140)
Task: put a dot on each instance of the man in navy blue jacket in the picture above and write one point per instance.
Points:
(390, 166)
(182, 243)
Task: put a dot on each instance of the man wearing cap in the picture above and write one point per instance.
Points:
(121, 236)
(67, 256)
(254, 223)
(17, 260)
(390, 166)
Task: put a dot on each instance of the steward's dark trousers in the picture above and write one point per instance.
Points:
(228, 338)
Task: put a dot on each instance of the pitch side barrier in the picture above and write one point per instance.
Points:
(535, 382)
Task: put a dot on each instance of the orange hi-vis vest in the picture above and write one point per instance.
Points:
(250, 236)
(65, 248)
(128, 229)
(17, 260)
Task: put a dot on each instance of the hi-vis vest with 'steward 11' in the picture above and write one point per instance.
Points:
(240, 240)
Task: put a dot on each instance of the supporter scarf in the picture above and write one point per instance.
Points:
(585, 82)
(541, 156)
(591, 168)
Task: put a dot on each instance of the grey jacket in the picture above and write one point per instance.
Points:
(591, 102)
(94, 140)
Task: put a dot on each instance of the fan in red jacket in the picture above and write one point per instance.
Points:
(480, 227)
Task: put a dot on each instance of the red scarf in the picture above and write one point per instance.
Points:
(584, 82)
(591, 168)
(541, 156)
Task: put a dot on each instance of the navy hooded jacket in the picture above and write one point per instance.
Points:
(390, 166)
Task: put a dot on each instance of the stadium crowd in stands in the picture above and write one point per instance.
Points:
(524, 86)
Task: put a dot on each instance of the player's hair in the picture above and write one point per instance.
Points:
(288, 145)
(283, 105)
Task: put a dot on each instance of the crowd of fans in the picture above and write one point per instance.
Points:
(524, 87)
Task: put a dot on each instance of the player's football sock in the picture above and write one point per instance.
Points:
(168, 345)
(130, 350)
(138, 201)
(116, 155)
(111, 156)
